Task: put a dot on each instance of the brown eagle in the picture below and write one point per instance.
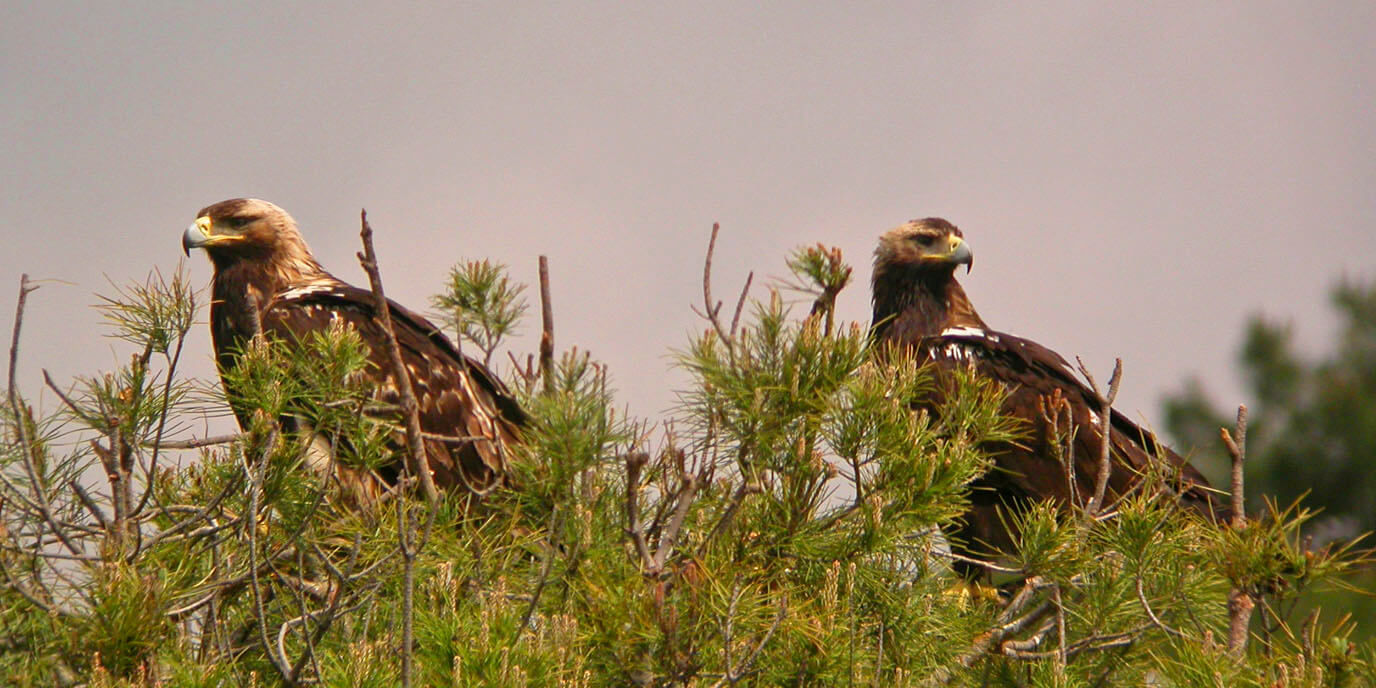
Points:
(260, 258)
(919, 304)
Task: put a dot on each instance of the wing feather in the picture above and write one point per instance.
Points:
(457, 397)
(1031, 373)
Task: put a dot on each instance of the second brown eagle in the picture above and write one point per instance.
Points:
(919, 304)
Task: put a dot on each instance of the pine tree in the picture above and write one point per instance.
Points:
(784, 526)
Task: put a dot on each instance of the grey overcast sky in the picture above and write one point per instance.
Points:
(1135, 178)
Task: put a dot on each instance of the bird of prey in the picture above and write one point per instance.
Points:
(266, 281)
(919, 304)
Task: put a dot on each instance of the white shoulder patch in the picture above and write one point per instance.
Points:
(969, 332)
(302, 292)
(962, 332)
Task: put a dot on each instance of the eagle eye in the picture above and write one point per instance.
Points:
(924, 239)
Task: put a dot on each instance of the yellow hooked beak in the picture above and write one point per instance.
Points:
(958, 252)
(200, 235)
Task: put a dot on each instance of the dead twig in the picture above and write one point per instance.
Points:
(1104, 642)
(1142, 599)
(737, 498)
(740, 305)
(1010, 621)
(1240, 601)
(410, 409)
(21, 424)
(255, 486)
(712, 312)
(1055, 412)
(1060, 626)
(1236, 443)
(1096, 501)
(635, 462)
(198, 442)
(96, 512)
(732, 676)
(546, 567)
(546, 328)
(150, 474)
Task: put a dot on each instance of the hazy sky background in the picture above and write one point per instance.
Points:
(1135, 180)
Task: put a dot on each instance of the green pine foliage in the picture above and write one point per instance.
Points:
(784, 526)
(481, 304)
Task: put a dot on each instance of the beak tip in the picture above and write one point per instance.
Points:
(192, 238)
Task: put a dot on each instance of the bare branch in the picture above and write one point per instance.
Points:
(90, 504)
(162, 421)
(410, 409)
(635, 462)
(1156, 621)
(713, 308)
(1096, 501)
(201, 513)
(1009, 623)
(734, 506)
(691, 483)
(733, 675)
(740, 305)
(21, 423)
(1236, 444)
(198, 442)
(24, 291)
(66, 400)
(255, 480)
(1240, 601)
(546, 566)
(546, 327)
(1060, 625)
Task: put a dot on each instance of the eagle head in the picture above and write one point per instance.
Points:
(244, 228)
(928, 244)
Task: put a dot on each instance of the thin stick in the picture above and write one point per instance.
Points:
(1060, 625)
(408, 594)
(96, 512)
(1240, 602)
(713, 307)
(1142, 598)
(733, 676)
(740, 304)
(198, 442)
(150, 474)
(415, 442)
(1237, 452)
(685, 501)
(545, 567)
(634, 463)
(1096, 502)
(21, 424)
(547, 328)
(746, 489)
(409, 408)
(255, 479)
